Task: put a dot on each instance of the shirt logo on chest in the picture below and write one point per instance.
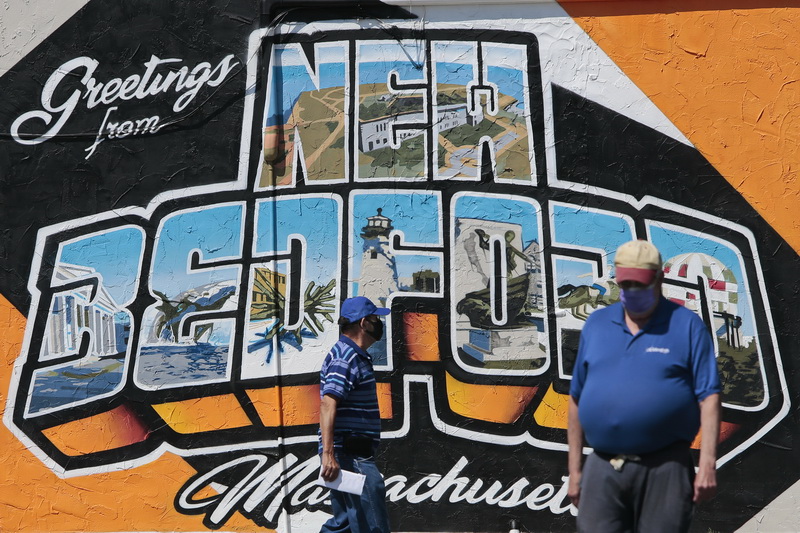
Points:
(657, 350)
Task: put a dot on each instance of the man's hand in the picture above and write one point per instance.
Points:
(329, 470)
(705, 484)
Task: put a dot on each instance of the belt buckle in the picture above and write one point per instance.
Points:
(619, 461)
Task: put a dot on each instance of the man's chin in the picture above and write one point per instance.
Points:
(642, 314)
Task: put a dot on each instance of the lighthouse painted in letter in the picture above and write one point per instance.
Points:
(378, 268)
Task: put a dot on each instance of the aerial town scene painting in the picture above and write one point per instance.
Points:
(306, 127)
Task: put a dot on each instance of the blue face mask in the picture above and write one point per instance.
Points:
(638, 300)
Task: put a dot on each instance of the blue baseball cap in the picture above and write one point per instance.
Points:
(354, 309)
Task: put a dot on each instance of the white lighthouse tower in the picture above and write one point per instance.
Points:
(378, 268)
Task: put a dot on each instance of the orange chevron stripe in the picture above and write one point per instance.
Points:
(729, 79)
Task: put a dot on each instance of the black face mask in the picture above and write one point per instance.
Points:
(377, 332)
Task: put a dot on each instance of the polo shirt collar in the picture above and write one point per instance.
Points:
(350, 342)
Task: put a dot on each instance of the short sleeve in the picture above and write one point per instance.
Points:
(704, 363)
(341, 377)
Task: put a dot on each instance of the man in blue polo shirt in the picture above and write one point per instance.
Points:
(645, 381)
(350, 423)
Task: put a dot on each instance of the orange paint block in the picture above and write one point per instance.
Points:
(552, 411)
(736, 102)
(385, 400)
(726, 430)
(12, 327)
(105, 431)
(492, 403)
(199, 415)
(421, 332)
(286, 406)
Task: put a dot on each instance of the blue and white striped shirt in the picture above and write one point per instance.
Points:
(347, 375)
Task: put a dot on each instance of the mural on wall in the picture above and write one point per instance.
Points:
(470, 178)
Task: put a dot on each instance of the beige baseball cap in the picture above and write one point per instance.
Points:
(637, 261)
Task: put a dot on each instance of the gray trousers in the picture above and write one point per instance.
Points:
(651, 495)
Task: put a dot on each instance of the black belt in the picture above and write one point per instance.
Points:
(358, 445)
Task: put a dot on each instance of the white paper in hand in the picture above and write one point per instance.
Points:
(346, 481)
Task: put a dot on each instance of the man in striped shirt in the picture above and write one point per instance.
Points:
(350, 424)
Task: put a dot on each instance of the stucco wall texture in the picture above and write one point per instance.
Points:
(720, 112)
(735, 97)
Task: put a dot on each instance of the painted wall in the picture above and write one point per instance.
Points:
(190, 190)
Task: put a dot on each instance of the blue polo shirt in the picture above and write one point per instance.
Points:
(638, 394)
(347, 375)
